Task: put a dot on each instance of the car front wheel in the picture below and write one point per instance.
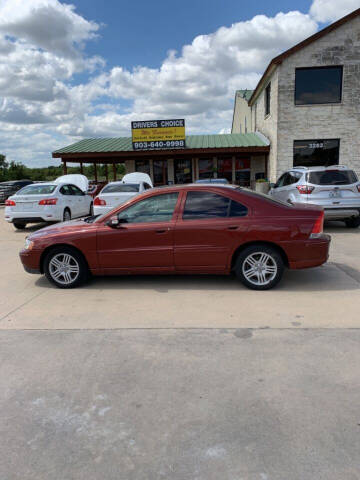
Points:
(65, 267)
(259, 267)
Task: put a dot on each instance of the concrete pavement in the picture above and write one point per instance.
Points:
(180, 405)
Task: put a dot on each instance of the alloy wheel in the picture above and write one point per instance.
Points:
(64, 268)
(259, 268)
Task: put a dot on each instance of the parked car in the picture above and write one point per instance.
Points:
(61, 200)
(9, 188)
(222, 181)
(95, 188)
(185, 229)
(335, 188)
(117, 193)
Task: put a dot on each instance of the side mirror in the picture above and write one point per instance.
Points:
(272, 185)
(113, 222)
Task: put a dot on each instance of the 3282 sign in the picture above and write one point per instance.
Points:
(158, 134)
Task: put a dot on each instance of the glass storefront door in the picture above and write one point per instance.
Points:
(242, 172)
(160, 172)
(183, 171)
(142, 166)
(224, 168)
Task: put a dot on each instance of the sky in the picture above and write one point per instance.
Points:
(87, 68)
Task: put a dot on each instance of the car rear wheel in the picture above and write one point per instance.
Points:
(91, 212)
(65, 267)
(259, 267)
(353, 222)
(66, 215)
(19, 226)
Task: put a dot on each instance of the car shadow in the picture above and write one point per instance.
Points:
(329, 277)
(339, 227)
(34, 227)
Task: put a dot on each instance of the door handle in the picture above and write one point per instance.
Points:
(233, 227)
(162, 231)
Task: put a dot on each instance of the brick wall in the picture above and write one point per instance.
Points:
(340, 47)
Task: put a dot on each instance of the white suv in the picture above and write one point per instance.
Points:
(335, 188)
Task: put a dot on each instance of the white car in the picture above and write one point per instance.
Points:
(116, 193)
(61, 200)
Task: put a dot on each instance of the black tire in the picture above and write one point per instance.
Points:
(60, 252)
(262, 280)
(19, 226)
(65, 214)
(353, 222)
(91, 212)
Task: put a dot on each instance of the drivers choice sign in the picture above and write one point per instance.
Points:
(158, 134)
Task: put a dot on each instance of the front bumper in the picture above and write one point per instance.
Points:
(30, 260)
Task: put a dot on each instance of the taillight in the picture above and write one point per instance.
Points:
(358, 187)
(48, 201)
(99, 201)
(318, 226)
(10, 203)
(305, 189)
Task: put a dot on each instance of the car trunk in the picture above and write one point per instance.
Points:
(114, 199)
(27, 203)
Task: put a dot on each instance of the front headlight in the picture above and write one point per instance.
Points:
(28, 244)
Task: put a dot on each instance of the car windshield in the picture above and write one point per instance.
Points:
(121, 188)
(37, 190)
(332, 177)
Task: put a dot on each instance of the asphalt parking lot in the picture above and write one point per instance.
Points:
(181, 378)
(323, 297)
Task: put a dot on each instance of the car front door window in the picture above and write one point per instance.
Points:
(159, 208)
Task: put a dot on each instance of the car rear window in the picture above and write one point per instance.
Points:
(121, 188)
(200, 205)
(332, 177)
(37, 190)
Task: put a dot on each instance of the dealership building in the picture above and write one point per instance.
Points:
(307, 103)
(241, 158)
(305, 111)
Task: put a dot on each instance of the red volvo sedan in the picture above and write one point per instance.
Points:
(188, 229)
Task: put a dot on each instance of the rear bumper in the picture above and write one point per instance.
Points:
(312, 253)
(339, 213)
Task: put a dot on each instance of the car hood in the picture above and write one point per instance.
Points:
(76, 179)
(63, 228)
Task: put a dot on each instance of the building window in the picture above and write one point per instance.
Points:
(183, 171)
(160, 172)
(267, 99)
(206, 168)
(309, 153)
(318, 85)
(142, 166)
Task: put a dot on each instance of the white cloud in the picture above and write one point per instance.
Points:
(42, 47)
(331, 10)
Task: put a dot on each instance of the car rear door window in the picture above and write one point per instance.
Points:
(237, 209)
(205, 205)
(66, 190)
(76, 190)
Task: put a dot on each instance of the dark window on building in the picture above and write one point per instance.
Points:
(160, 172)
(318, 85)
(183, 171)
(210, 205)
(312, 153)
(267, 99)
